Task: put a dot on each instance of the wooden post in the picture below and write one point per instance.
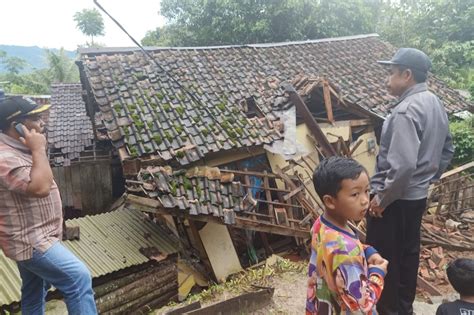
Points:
(268, 196)
(327, 100)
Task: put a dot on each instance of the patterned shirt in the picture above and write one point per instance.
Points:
(25, 222)
(340, 281)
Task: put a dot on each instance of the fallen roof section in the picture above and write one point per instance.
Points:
(243, 199)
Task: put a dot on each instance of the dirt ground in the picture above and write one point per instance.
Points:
(290, 295)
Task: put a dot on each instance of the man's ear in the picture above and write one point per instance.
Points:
(329, 202)
(408, 74)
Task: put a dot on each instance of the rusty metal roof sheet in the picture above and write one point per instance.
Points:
(109, 242)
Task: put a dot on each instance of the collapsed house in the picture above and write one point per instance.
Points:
(229, 136)
(218, 144)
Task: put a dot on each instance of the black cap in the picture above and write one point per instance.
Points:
(12, 107)
(410, 57)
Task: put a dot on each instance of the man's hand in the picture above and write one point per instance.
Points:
(374, 209)
(35, 141)
(383, 264)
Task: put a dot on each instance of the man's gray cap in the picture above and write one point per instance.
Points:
(410, 57)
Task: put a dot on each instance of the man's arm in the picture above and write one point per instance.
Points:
(402, 157)
(41, 175)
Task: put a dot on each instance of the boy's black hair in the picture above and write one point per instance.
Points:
(461, 276)
(418, 75)
(331, 172)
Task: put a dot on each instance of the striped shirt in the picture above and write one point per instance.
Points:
(25, 222)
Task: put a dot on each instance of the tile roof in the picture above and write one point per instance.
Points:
(202, 190)
(151, 114)
(148, 109)
(109, 242)
(228, 195)
(69, 128)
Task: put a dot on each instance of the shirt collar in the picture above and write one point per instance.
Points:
(11, 142)
(417, 88)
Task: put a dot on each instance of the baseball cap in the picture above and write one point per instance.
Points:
(13, 107)
(410, 57)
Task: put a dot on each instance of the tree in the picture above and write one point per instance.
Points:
(14, 65)
(90, 23)
(61, 68)
(224, 22)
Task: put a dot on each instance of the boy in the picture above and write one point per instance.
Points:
(461, 276)
(345, 276)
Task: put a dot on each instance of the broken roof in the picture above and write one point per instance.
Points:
(69, 128)
(231, 197)
(190, 101)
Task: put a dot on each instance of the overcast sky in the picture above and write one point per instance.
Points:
(50, 23)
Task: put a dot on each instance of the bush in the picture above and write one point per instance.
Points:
(463, 139)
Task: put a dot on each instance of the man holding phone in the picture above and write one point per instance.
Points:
(31, 213)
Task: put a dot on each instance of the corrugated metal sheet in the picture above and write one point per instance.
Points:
(109, 242)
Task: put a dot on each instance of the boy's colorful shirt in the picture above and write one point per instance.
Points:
(340, 281)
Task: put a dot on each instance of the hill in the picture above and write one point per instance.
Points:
(34, 55)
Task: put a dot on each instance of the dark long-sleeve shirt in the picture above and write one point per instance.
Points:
(415, 147)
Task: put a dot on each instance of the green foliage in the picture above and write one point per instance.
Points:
(60, 69)
(463, 139)
(441, 28)
(222, 22)
(90, 23)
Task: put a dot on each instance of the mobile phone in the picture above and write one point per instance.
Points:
(19, 129)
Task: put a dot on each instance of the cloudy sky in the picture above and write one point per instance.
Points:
(50, 23)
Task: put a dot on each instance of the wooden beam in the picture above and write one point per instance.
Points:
(360, 122)
(293, 192)
(428, 287)
(458, 169)
(308, 118)
(327, 101)
(268, 196)
(248, 224)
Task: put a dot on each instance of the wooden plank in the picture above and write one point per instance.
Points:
(250, 173)
(249, 191)
(88, 188)
(68, 186)
(76, 186)
(290, 209)
(458, 170)
(327, 101)
(268, 196)
(248, 224)
(242, 304)
(293, 192)
(360, 122)
(425, 285)
(105, 185)
(200, 247)
(62, 185)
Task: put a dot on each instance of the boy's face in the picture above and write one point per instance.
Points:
(352, 201)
